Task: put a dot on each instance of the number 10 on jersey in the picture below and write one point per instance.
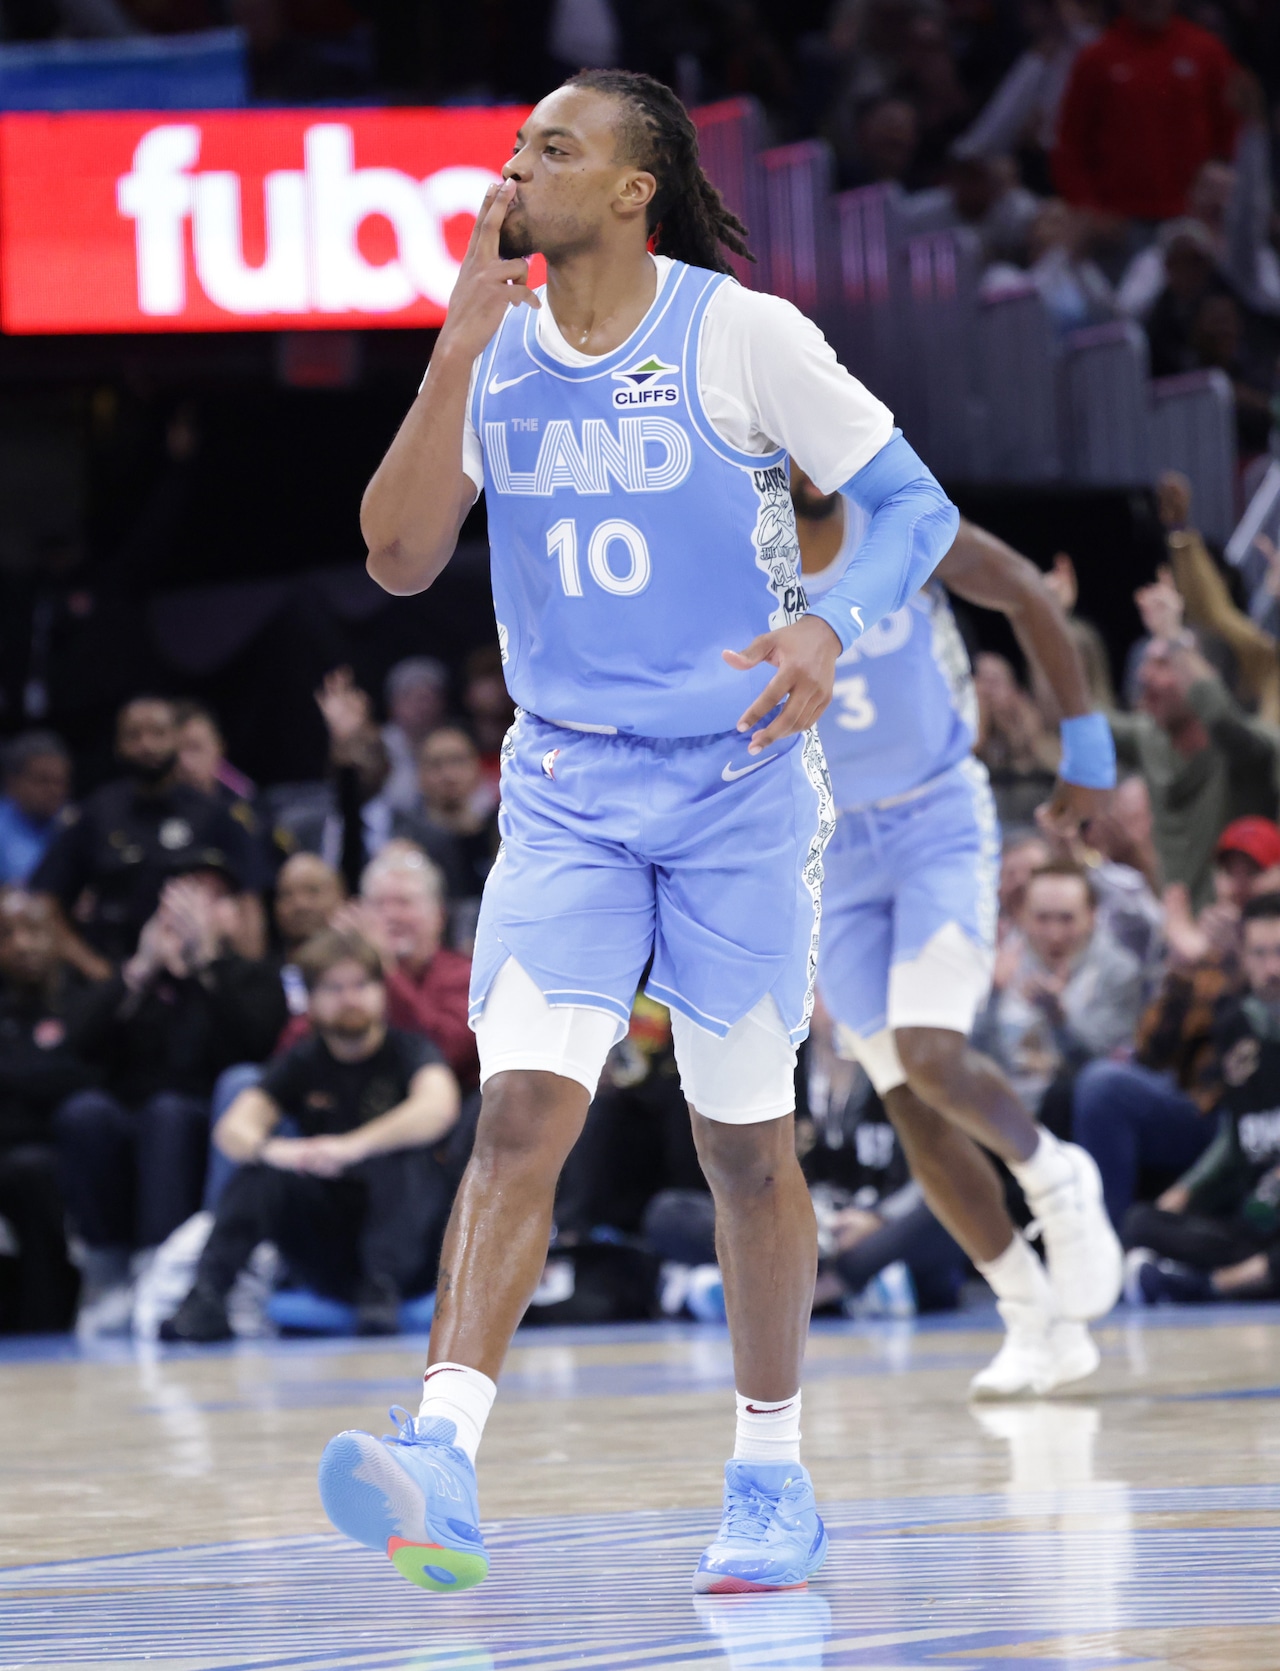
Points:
(562, 543)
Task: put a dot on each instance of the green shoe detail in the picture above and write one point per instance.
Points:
(432, 1568)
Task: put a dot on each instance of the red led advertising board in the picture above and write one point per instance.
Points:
(240, 220)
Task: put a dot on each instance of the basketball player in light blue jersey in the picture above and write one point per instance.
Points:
(908, 931)
(665, 804)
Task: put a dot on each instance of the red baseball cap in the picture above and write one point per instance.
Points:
(1257, 838)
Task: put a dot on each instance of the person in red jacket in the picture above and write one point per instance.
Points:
(1147, 104)
(401, 910)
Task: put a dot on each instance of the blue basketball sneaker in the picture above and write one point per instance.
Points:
(412, 1495)
(770, 1537)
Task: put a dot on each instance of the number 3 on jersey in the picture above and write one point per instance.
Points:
(562, 542)
(857, 710)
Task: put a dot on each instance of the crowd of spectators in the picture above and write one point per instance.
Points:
(245, 1011)
(234, 1020)
(1115, 154)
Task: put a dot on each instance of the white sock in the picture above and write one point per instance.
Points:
(461, 1395)
(1045, 1168)
(1017, 1274)
(768, 1430)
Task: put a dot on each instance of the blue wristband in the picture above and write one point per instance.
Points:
(1088, 752)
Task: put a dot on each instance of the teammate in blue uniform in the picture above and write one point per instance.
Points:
(664, 800)
(909, 928)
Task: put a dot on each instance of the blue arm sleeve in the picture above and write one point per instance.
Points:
(913, 525)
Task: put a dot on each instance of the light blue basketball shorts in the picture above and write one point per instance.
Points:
(909, 908)
(689, 849)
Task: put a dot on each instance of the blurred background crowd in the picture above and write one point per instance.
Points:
(1120, 155)
(244, 830)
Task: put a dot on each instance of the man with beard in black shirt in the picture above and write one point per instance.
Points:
(354, 1199)
(106, 869)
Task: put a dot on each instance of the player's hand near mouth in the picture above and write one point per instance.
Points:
(420, 484)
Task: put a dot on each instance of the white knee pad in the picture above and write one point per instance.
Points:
(743, 1078)
(877, 1055)
(944, 985)
(519, 1030)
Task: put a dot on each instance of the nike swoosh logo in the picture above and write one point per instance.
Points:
(857, 617)
(729, 775)
(773, 1410)
(496, 388)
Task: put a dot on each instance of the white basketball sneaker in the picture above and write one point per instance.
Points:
(1040, 1353)
(1082, 1251)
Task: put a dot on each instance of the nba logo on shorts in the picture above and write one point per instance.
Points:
(549, 762)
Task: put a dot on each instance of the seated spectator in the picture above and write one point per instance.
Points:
(106, 869)
(37, 1070)
(983, 193)
(1208, 604)
(1023, 853)
(1145, 106)
(1215, 1234)
(1147, 1118)
(308, 896)
(1190, 279)
(417, 698)
(354, 1199)
(1124, 833)
(1204, 760)
(1196, 324)
(184, 1007)
(202, 759)
(1073, 287)
(203, 763)
(457, 824)
(33, 808)
(489, 708)
(1014, 744)
(1232, 201)
(879, 144)
(1219, 341)
(1124, 877)
(401, 911)
(1062, 992)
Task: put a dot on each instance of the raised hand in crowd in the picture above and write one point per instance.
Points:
(354, 738)
(1161, 607)
(1173, 502)
(1192, 939)
(1060, 579)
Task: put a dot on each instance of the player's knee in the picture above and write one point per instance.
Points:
(743, 1161)
(931, 1058)
(920, 1129)
(528, 1120)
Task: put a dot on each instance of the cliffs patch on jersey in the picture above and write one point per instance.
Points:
(642, 385)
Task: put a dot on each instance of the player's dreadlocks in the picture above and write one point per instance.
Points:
(688, 217)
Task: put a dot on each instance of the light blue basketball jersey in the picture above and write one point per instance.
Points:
(904, 708)
(630, 544)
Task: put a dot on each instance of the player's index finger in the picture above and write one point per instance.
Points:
(482, 213)
(489, 226)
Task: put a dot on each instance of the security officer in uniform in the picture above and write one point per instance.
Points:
(108, 867)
